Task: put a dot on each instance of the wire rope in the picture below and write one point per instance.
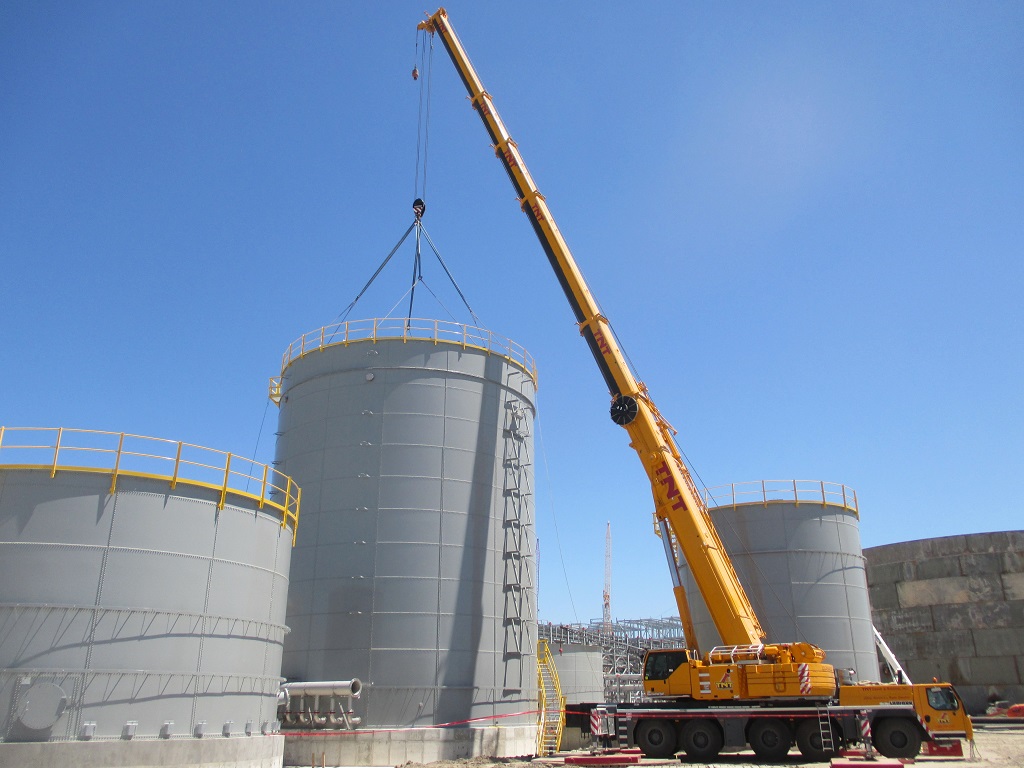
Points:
(423, 57)
(444, 266)
(259, 435)
(438, 300)
(554, 518)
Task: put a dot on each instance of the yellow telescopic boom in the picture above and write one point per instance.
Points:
(678, 504)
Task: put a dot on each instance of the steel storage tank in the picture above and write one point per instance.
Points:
(796, 548)
(142, 590)
(414, 568)
(580, 671)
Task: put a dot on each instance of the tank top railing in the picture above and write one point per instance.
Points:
(121, 454)
(796, 491)
(406, 329)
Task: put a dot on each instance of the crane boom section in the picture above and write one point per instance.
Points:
(676, 498)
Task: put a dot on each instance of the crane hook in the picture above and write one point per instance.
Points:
(415, 73)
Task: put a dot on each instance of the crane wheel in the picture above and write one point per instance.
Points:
(701, 740)
(808, 741)
(896, 737)
(657, 738)
(770, 738)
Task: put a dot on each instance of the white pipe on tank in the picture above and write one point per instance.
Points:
(333, 688)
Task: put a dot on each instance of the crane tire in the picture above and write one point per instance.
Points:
(657, 738)
(896, 737)
(808, 741)
(770, 738)
(701, 739)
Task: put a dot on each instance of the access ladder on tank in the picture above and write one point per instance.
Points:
(551, 702)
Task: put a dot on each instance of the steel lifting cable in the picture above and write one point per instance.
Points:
(417, 265)
(344, 313)
(450, 276)
(424, 57)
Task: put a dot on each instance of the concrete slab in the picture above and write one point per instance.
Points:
(998, 541)
(971, 615)
(1007, 641)
(890, 573)
(1013, 562)
(952, 589)
(884, 597)
(902, 620)
(943, 645)
(939, 567)
(985, 562)
(1013, 586)
(215, 752)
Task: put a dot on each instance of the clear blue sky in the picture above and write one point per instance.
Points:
(805, 221)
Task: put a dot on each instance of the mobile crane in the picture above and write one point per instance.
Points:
(745, 691)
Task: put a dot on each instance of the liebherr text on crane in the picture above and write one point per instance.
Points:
(746, 692)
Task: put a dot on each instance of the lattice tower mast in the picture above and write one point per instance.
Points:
(606, 614)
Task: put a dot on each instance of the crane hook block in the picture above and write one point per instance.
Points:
(419, 208)
(415, 74)
(624, 409)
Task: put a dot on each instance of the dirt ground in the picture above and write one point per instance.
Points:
(995, 746)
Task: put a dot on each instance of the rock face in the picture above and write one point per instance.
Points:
(953, 608)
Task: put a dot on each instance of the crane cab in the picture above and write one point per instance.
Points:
(677, 672)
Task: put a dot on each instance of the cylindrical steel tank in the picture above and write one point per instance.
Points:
(142, 587)
(580, 671)
(796, 548)
(414, 568)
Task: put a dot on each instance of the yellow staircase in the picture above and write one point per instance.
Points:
(551, 703)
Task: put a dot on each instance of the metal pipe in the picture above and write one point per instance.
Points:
(333, 688)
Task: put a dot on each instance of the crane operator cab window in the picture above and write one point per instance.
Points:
(660, 664)
(943, 699)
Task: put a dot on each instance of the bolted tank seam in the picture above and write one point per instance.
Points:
(137, 551)
(447, 373)
(270, 614)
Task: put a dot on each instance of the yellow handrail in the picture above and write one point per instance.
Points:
(438, 331)
(549, 722)
(124, 454)
(796, 491)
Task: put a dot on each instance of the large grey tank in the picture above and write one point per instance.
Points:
(796, 548)
(580, 671)
(414, 567)
(142, 588)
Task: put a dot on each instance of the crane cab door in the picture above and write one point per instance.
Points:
(668, 673)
